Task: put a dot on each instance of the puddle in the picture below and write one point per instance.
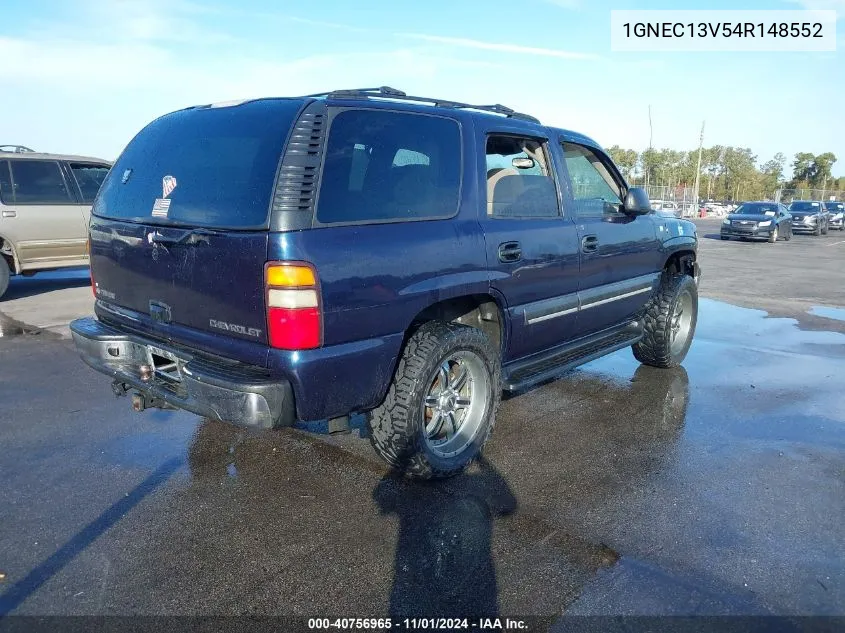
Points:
(837, 314)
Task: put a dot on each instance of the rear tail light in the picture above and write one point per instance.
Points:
(294, 318)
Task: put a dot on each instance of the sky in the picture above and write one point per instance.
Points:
(83, 76)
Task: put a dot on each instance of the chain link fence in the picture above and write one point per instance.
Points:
(788, 195)
(680, 200)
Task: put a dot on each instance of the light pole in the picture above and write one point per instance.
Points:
(698, 166)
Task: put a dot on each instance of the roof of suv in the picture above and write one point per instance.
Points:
(44, 155)
(386, 97)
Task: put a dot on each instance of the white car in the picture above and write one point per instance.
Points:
(837, 214)
(689, 210)
(716, 209)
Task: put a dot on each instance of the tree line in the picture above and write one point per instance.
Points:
(727, 173)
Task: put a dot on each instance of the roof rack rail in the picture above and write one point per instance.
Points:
(17, 149)
(386, 92)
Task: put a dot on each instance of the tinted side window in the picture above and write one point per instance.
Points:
(382, 166)
(39, 182)
(519, 178)
(7, 194)
(89, 177)
(595, 190)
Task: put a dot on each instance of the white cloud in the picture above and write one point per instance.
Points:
(320, 23)
(498, 46)
(822, 5)
(179, 21)
(566, 4)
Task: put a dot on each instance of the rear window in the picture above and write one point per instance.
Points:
(90, 178)
(385, 166)
(209, 167)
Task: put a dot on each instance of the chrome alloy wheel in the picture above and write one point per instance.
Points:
(454, 406)
(681, 322)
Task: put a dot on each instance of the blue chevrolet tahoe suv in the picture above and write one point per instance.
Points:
(365, 251)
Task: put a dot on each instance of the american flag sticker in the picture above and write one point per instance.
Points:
(160, 208)
(168, 184)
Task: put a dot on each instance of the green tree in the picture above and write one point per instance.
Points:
(740, 166)
(822, 168)
(727, 173)
(711, 161)
(625, 159)
(650, 164)
(774, 167)
(771, 175)
(802, 167)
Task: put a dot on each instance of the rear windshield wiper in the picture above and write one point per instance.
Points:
(189, 238)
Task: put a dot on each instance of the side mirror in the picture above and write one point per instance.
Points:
(636, 202)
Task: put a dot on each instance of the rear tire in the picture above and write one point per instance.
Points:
(447, 379)
(669, 322)
(5, 274)
(724, 238)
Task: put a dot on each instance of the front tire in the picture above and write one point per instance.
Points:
(441, 405)
(825, 229)
(773, 236)
(669, 322)
(5, 274)
(725, 238)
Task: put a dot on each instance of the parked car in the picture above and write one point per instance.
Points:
(836, 214)
(670, 208)
(363, 251)
(45, 204)
(688, 209)
(809, 216)
(753, 220)
(715, 208)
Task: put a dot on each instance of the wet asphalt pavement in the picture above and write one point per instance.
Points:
(718, 488)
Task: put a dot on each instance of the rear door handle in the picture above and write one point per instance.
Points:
(9, 214)
(589, 243)
(510, 252)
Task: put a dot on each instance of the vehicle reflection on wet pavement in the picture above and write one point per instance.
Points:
(717, 488)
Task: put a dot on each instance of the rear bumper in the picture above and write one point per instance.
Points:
(230, 392)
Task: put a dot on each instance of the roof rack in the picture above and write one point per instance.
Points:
(17, 149)
(386, 92)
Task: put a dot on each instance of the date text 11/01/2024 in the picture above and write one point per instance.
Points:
(723, 29)
(416, 624)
